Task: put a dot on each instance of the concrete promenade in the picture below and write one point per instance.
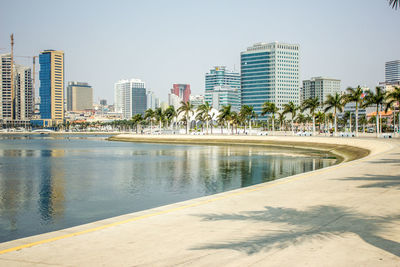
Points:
(344, 215)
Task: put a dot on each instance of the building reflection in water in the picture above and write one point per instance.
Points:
(52, 185)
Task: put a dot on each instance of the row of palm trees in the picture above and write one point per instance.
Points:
(380, 99)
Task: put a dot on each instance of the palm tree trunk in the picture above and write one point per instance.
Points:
(356, 119)
(377, 120)
(151, 127)
(335, 122)
(187, 124)
(249, 127)
(292, 126)
(207, 126)
(273, 124)
(313, 124)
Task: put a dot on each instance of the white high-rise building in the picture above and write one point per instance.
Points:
(24, 93)
(320, 87)
(130, 97)
(270, 73)
(152, 100)
(16, 106)
(174, 100)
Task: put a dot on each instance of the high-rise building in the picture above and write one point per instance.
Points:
(174, 100)
(181, 90)
(130, 97)
(79, 96)
(224, 96)
(17, 106)
(153, 101)
(24, 105)
(270, 73)
(392, 71)
(6, 112)
(219, 77)
(319, 87)
(51, 89)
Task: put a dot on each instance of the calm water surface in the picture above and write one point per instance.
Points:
(51, 183)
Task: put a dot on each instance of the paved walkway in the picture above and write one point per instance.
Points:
(345, 215)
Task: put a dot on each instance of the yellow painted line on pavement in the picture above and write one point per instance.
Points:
(241, 192)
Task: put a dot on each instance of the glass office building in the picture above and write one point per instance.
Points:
(51, 89)
(392, 71)
(270, 73)
(221, 81)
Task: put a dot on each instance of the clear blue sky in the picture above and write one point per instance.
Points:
(166, 42)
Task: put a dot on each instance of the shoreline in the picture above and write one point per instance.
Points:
(344, 152)
(328, 187)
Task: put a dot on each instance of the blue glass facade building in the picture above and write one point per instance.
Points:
(45, 85)
(270, 73)
(51, 89)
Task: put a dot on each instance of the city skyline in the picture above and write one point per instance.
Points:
(330, 40)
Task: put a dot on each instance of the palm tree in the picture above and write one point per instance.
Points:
(393, 98)
(363, 121)
(170, 114)
(354, 95)
(312, 104)
(236, 120)
(335, 102)
(320, 119)
(149, 115)
(301, 119)
(187, 109)
(205, 110)
(225, 114)
(292, 109)
(394, 4)
(245, 113)
(378, 99)
(270, 107)
(281, 118)
(137, 119)
(160, 116)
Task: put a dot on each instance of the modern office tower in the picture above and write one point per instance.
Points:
(79, 96)
(320, 87)
(196, 100)
(51, 89)
(220, 76)
(392, 71)
(270, 72)
(130, 97)
(153, 101)
(181, 90)
(6, 112)
(224, 96)
(24, 106)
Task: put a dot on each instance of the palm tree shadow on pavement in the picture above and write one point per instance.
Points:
(377, 181)
(318, 222)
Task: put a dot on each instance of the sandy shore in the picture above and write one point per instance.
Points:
(344, 215)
